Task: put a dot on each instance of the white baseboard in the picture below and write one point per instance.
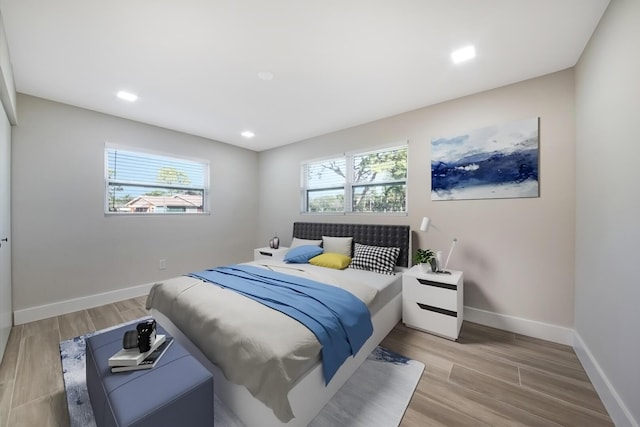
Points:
(32, 314)
(531, 328)
(618, 411)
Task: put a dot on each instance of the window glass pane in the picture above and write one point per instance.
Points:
(380, 198)
(154, 200)
(326, 173)
(148, 183)
(325, 200)
(372, 181)
(380, 166)
(153, 169)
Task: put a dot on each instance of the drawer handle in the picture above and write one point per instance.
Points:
(438, 284)
(438, 310)
(266, 253)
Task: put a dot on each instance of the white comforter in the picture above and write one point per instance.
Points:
(255, 346)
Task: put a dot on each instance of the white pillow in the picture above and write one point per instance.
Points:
(304, 242)
(337, 245)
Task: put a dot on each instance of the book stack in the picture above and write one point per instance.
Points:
(132, 359)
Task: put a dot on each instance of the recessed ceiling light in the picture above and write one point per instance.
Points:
(127, 96)
(463, 54)
(248, 134)
(265, 75)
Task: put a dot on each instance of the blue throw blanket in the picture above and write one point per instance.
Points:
(340, 321)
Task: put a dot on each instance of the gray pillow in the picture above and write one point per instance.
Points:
(304, 242)
(337, 245)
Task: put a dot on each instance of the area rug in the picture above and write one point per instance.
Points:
(377, 394)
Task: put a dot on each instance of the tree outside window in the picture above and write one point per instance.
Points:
(370, 182)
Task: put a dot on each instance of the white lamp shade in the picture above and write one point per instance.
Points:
(425, 224)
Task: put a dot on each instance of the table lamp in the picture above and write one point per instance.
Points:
(424, 226)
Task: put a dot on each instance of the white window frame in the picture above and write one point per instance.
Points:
(349, 181)
(143, 151)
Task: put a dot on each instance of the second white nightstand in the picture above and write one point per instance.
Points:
(269, 253)
(433, 302)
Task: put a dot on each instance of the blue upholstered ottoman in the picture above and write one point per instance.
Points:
(177, 391)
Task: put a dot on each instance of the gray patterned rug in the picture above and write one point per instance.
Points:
(377, 394)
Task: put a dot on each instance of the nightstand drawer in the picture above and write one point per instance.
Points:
(431, 321)
(434, 284)
(431, 293)
(270, 253)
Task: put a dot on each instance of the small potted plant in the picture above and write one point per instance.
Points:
(426, 260)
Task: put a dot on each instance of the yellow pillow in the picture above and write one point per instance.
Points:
(331, 260)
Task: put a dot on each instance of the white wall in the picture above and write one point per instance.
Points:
(517, 254)
(65, 247)
(607, 314)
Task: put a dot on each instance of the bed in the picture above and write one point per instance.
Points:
(263, 390)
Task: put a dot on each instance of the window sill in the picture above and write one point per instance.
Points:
(130, 214)
(356, 213)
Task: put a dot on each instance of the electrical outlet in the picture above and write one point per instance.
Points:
(162, 264)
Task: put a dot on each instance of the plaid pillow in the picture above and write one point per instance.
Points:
(374, 258)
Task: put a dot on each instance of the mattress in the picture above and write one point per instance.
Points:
(259, 348)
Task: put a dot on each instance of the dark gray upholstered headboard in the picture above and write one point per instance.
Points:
(367, 234)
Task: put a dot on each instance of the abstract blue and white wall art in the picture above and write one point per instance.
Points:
(495, 162)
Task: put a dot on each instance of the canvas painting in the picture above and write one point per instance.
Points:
(494, 162)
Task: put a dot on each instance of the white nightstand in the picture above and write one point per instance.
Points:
(433, 302)
(269, 253)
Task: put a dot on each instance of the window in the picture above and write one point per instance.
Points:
(325, 185)
(372, 181)
(141, 182)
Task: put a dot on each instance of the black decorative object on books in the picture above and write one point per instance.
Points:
(139, 345)
(143, 337)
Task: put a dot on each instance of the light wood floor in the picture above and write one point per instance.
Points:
(490, 377)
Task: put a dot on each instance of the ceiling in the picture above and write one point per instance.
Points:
(194, 63)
